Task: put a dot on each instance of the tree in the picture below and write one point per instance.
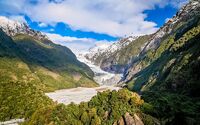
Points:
(96, 121)
(85, 118)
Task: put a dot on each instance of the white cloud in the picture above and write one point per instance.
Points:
(18, 18)
(77, 45)
(178, 3)
(12, 6)
(113, 17)
(59, 38)
(42, 25)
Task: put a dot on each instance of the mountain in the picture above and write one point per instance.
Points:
(185, 21)
(110, 58)
(95, 51)
(28, 55)
(124, 56)
(166, 73)
(31, 64)
(12, 28)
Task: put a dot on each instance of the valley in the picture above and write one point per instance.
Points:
(106, 80)
(64, 75)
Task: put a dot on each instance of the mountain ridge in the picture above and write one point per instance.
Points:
(56, 66)
(186, 13)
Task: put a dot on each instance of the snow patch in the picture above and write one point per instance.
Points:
(12, 27)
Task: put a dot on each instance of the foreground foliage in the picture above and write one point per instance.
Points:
(105, 108)
(20, 100)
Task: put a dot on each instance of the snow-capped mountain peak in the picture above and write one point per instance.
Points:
(12, 27)
(107, 48)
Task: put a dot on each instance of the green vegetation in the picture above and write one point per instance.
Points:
(29, 67)
(169, 79)
(20, 100)
(105, 108)
(174, 109)
(132, 50)
(25, 58)
(123, 56)
(55, 65)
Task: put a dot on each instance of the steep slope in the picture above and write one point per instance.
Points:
(20, 89)
(96, 51)
(166, 73)
(171, 82)
(116, 57)
(173, 32)
(33, 55)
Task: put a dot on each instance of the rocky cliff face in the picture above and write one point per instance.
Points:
(127, 119)
(108, 57)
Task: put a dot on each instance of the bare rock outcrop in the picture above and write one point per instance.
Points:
(129, 120)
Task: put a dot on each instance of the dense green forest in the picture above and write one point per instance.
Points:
(169, 79)
(106, 108)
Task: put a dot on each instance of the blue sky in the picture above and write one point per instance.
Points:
(157, 15)
(83, 23)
